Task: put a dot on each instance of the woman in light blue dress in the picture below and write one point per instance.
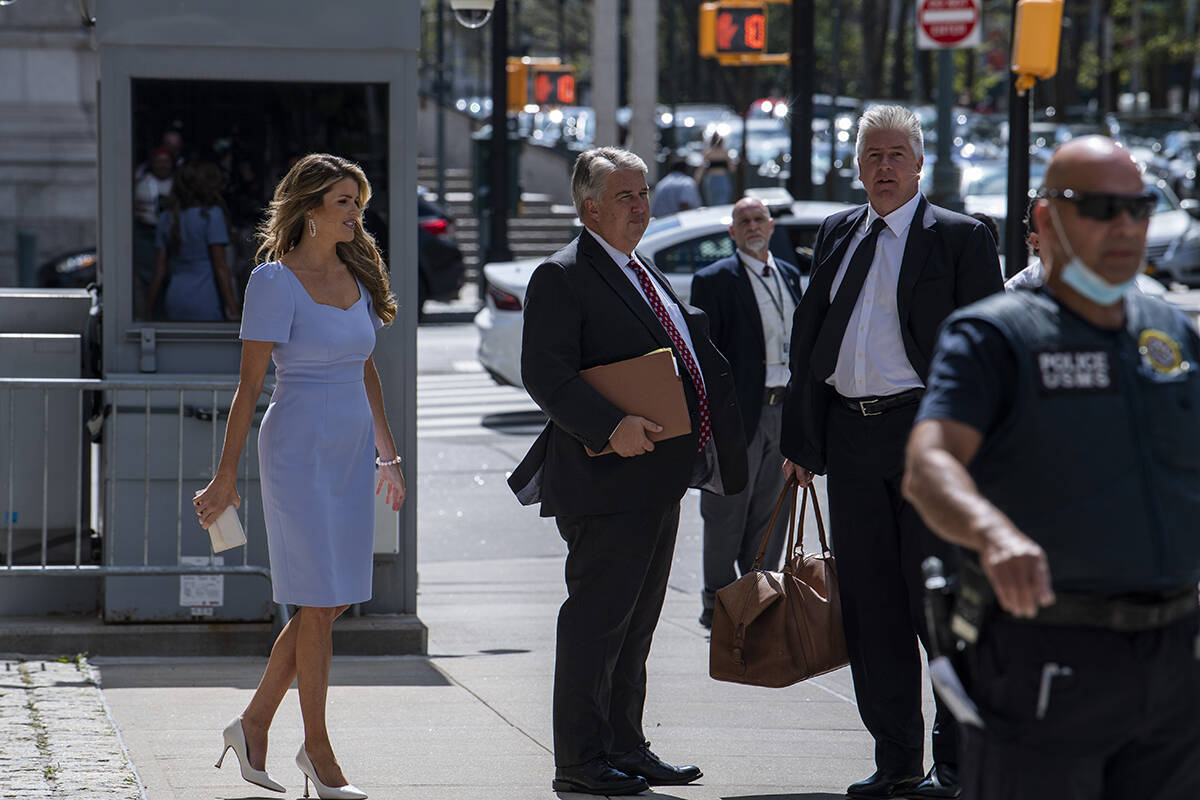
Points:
(313, 308)
(190, 239)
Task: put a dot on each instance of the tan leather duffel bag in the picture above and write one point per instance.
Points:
(779, 628)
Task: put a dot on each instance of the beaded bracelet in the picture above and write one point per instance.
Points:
(390, 463)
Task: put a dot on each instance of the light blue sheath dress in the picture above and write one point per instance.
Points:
(316, 446)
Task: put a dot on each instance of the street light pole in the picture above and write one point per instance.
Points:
(1018, 171)
(802, 69)
(945, 171)
(440, 77)
(498, 249)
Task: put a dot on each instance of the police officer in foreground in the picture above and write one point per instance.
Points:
(1059, 439)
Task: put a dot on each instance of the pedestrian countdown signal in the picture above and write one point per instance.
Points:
(735, 33)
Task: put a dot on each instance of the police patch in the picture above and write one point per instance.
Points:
(1161, 352)
(1074, 371)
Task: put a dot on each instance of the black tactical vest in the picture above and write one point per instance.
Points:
(1098, 460)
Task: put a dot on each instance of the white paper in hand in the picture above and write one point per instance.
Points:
(226, 531)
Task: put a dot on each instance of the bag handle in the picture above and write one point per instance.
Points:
(792, 559)
(789, 490)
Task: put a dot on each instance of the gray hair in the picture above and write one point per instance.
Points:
(594, 166)
(891, 118)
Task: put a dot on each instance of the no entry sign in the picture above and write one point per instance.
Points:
(944, 24)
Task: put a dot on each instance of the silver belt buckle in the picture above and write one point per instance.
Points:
(863, 407)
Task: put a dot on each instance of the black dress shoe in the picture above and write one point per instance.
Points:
(641, 761)
(884, 784)
(706, 618)
(941, 782)
(597, 776)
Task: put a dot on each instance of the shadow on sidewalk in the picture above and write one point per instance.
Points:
(789, 796)
(245, 673)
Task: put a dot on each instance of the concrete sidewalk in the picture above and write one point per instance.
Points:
(472, 720)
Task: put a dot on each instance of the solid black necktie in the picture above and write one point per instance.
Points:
(833, 329)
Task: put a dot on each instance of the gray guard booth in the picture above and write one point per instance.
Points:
(230, 55)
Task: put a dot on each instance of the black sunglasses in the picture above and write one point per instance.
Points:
(1104, 206)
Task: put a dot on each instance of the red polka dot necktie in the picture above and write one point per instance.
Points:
(689, 363)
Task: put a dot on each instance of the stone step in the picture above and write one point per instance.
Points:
(539, 223)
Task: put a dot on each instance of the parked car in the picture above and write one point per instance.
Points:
(439, 259)
(72, 270)
(678, 244)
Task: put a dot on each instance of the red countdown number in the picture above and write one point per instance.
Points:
(566, 89)
(756, 32)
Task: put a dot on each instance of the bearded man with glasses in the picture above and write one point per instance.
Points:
(1059, 439)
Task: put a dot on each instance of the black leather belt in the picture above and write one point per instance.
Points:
(872, 406)
(1123, 614)
(774, 395)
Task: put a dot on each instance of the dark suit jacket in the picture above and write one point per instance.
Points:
(724, 292)
(948, 263)
(582, 311)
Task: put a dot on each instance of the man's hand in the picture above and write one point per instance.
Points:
(1017, 568)
(630, 437)
(793, 470)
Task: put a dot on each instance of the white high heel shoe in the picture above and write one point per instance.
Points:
(235, 740)
(347, 792)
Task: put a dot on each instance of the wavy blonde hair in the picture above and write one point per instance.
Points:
(302, 190)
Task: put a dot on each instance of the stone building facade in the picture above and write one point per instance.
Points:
(48, 140)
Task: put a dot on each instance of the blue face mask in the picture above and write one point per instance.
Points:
(1082, 279)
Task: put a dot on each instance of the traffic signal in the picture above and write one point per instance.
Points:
(1035, 41)
(518, 74)
(735, 33)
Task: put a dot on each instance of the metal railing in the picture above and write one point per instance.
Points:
(106, 415)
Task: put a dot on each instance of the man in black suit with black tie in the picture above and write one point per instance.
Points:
(884, 277)
(749, 298)
(594, 302)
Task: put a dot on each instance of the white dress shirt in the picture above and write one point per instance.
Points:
(775, 309)
(673, 312)
(872, 361)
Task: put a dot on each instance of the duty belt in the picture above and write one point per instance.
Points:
(773, 395)
(1123, 614)
(873, 406)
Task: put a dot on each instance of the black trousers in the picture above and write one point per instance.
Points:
(616, 572)
(1078, 713)
(880, 541)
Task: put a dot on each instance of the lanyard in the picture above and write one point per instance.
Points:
(775, 301)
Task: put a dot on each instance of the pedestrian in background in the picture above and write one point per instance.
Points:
(676, 191)
(598, 301)
(1059, 441)
(716, 171)
(313, 308)
(750, 298)
(191, 238)
(885, 275)
(150, 194)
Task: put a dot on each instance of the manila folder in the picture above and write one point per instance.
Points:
(648, 386)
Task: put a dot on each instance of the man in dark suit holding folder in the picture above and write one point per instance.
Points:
(598, 302)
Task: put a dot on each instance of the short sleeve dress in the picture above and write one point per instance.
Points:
(192, 291)
(316, 445)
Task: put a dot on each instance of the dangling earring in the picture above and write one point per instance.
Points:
(312, 228)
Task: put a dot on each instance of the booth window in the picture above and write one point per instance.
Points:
(208, 156)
